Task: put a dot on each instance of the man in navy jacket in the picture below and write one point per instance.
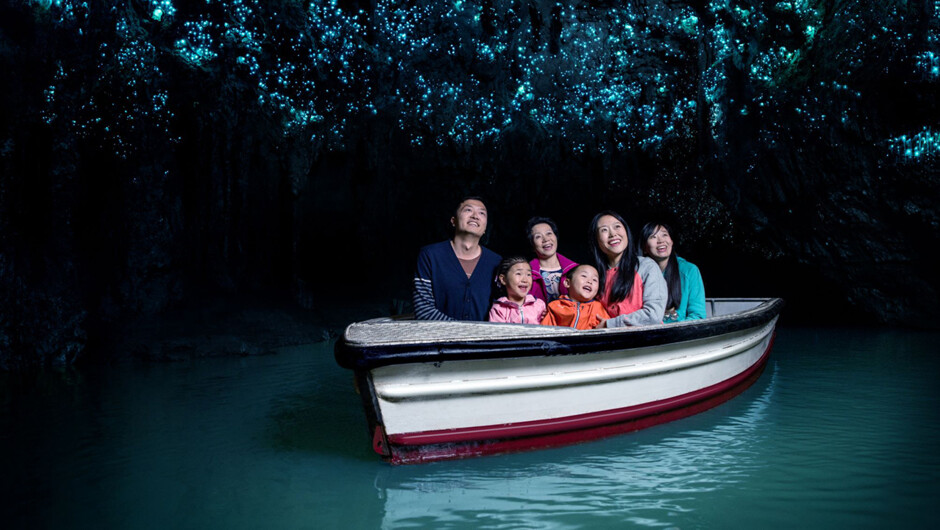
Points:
(454, 278)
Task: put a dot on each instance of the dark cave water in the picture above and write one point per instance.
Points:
(840, 431)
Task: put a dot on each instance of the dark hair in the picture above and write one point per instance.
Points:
(468, 198)
(673, 279)
(537, 221)
(571, 271)
(504, 267)
(626, 272)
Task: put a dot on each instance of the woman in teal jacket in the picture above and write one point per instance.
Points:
(683, 280)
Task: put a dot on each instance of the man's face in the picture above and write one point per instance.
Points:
(470, 218)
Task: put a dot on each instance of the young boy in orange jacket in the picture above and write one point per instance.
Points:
(578, 309)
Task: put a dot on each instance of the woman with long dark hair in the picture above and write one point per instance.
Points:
(684, 286)
(632, 287)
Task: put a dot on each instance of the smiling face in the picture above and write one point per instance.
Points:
(659, 245)
(611, 237)
(544, 241)
(470, 218)
(518, 281)
(582, 283)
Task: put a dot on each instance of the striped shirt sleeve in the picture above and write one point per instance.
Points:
(423, 291)
(423, 298)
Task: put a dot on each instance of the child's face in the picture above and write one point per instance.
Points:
(517, 280)
(583, 284)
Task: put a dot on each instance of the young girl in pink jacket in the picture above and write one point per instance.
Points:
(514, 276)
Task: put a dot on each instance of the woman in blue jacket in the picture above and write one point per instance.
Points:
(683, 280)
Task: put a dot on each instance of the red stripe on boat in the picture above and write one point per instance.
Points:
(495, 439)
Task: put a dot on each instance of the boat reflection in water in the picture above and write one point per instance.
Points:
(444, 390)
(684, 471)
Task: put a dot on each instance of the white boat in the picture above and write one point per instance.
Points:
(442, 390)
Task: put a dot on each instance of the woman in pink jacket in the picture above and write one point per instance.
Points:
(549, 266)
(514, 276)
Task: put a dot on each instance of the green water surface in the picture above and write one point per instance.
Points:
(840, 431)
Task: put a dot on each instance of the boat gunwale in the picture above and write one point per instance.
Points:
(562, 378)
(359, 356)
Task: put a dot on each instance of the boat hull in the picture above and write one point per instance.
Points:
(465, 401)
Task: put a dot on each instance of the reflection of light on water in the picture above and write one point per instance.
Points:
(644, 478)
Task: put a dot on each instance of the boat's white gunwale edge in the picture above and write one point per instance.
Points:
(454, 388)
(363, 334)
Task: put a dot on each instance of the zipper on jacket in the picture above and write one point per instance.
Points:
(577, 313)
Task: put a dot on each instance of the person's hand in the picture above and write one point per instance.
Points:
(671, 314)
